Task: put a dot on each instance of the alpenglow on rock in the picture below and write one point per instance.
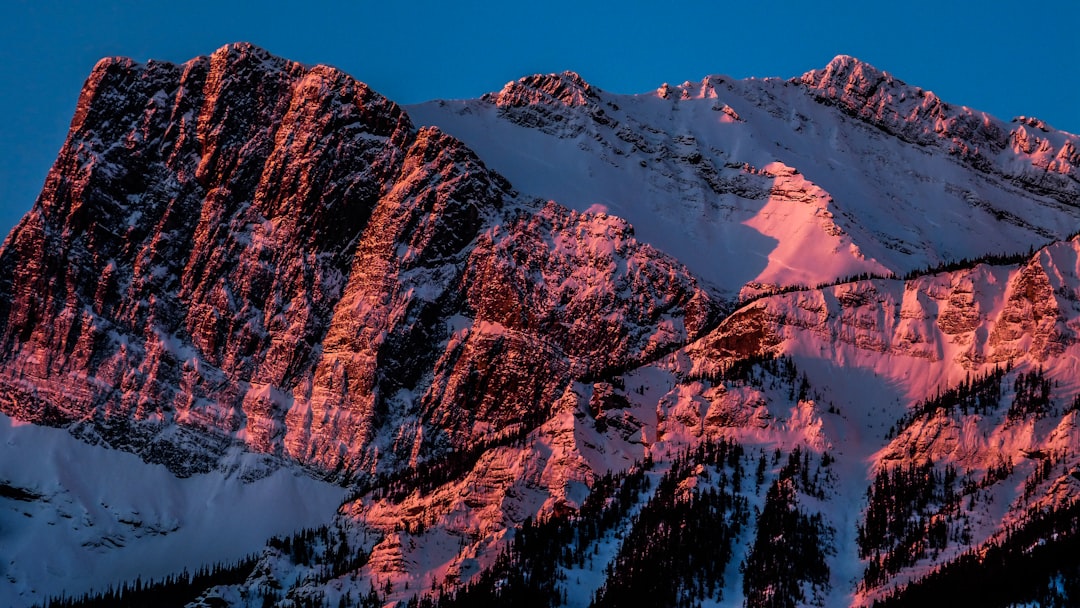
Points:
(243, 250)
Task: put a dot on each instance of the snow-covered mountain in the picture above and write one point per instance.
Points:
(779, 342)
(842, 172)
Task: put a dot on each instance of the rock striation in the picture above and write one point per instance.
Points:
(242, 251)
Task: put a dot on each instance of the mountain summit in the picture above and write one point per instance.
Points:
(554, 337)
(567, 88)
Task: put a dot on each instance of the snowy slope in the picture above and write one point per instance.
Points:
(776, 182)
(76, 517)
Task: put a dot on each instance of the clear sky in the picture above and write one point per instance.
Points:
(1006, 58)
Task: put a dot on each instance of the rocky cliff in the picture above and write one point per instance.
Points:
(244, 251)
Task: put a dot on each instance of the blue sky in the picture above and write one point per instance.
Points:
(1006, 58)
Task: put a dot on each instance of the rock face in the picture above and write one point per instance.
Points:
(243, 250)
(969, 318)
(1027, 153)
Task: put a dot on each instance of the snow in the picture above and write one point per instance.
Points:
(105, 516)
(582, 583)
(683, 174)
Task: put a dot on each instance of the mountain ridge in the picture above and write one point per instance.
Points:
(689, 165)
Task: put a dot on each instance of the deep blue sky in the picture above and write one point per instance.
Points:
(1006, 58)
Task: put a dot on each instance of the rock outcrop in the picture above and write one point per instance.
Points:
(1027, 153)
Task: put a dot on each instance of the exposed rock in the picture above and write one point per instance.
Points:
(244, 249)
(977, 138)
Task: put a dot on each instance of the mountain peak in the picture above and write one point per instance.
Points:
(242, 47)
(913, 114)
(847, 73)
(229, 53)
(566, 88)
(234, 49)
(844, 61)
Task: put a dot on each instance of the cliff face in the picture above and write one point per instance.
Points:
(964, 319)
(245, 251)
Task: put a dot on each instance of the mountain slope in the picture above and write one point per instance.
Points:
(971, 371)
(76, 517)
(901, 431)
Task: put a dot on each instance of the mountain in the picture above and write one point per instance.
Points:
(842, 172)
(245, 253)
(273, 256)
(551, 340)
